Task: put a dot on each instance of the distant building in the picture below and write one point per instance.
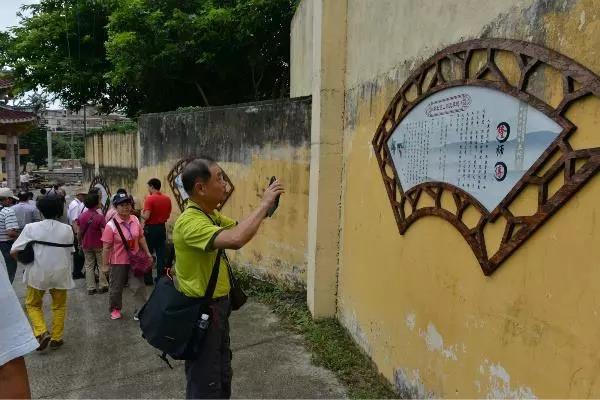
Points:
(67, 121)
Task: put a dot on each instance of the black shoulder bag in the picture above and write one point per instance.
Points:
(170, 320)
(26, 255)
(236, 295)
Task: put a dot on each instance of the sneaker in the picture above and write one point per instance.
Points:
(115, 314)
(55, 344)
(91, 291)
(102, 290)
(43, 340)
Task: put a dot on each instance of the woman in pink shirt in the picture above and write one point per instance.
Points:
(115, 255)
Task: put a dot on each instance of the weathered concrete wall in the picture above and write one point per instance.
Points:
(114, 157)
(418, 304)
(301, 50)
(252, 142)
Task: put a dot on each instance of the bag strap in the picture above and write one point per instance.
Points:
(51, 244)
(122, 236)
(212, 283)
(232, 280)
(90, 220)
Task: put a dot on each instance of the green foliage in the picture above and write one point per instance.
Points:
(201, 52)
(35, 141)
(331, 344)
(61, 146)
(123, 127)
(59, 46)
(152, 55)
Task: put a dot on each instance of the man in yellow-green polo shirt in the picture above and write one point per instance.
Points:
(199, 233)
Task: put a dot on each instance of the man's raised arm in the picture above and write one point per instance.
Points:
(235, 238)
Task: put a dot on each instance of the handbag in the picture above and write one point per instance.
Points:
(171, 321)
(236, 294)
(139, 261)
(26, 256)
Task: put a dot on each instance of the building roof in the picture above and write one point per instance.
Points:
(10, 116)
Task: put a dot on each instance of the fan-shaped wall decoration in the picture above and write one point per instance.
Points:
(105, 196)
(176, 185)
(464, 127)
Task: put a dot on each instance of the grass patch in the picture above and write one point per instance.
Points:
(330, 343)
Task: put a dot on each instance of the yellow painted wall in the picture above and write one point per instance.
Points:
(279, 250)
(117, 150)
(301, 54)
(419, 304)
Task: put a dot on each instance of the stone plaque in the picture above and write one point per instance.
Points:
(478, 139)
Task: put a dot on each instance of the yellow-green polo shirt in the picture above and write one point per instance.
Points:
(193, 237)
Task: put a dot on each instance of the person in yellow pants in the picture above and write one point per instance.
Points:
(33, 304)
(49, 271)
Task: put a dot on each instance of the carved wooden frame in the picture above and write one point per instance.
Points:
(99, 179)
(177, 169)
(578, 82)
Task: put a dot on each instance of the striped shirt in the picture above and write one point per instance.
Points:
(8, 221)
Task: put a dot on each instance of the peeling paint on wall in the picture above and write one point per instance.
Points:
(411, 321)
(350, 321)
(435, 343)
(499, 384)
(410, 385)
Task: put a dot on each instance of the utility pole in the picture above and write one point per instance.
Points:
(49, 141)
(72, 151)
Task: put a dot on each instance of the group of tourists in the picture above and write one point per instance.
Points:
(107, 241)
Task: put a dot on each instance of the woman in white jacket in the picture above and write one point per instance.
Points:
(50, 269)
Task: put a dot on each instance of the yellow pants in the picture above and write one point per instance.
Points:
(33, 304)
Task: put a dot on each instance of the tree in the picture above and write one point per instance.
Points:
(152, 55)
(59, 46)
(35, 142)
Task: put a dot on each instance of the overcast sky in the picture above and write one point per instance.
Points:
(8, 11)
(8, 17)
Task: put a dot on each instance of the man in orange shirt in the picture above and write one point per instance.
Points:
(157, 210)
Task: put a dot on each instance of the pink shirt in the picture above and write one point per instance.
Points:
(132, 230)
(110, 214)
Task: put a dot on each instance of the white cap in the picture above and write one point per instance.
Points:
(6, 193)
(204, 317)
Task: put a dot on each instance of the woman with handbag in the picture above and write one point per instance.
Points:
(47, 267)
(126, 253)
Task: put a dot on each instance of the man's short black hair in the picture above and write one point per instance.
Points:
(23, 196)
(91, 200)
(196, 169)
(50, 206)
(30, 195)
(154, 183)
(94, 190)
(42, 191)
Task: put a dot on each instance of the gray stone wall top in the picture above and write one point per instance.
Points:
(226, 133)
